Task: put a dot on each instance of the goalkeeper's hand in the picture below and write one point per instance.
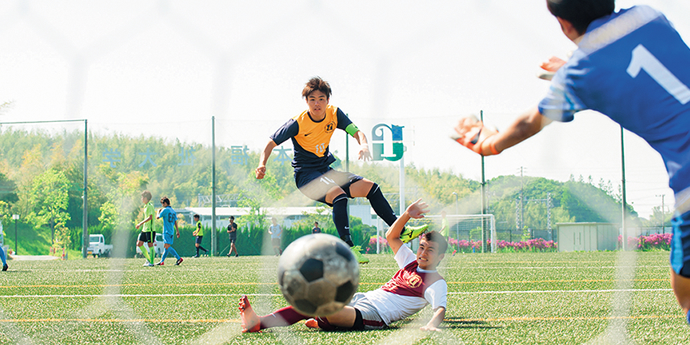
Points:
(472, 134)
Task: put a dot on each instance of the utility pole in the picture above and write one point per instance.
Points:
(457, 231)
(213, 186)
(663, 213)
(522, 199)
(548, 215)
(483, 191)
(624, 201)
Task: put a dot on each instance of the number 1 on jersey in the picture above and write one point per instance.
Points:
(643, 59)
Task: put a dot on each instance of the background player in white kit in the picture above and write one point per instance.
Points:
(416, 284)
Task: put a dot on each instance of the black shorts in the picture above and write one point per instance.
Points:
(316, 183)
(198, 239)
(233, 238)
(147, 237)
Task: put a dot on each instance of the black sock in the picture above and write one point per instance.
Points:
(197, 251)
(202, 248)
(380, 205)
(342, 223)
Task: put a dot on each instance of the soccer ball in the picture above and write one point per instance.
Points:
(318, 274)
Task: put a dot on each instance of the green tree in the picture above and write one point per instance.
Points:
(8, 190)
(49, 198)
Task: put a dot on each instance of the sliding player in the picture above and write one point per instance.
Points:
(415, 285)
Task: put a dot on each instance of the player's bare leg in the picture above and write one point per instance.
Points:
(681, 287)
(250, 321)
(345, 318)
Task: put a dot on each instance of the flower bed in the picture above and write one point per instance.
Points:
(533, 245)
(650, 243)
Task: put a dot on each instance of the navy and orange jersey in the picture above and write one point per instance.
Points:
(311, 139)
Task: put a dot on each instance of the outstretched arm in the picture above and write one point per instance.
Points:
(261, 169)
(416, 210)
(364, 153)
(486, 142)
(435, 321)
(144, 221)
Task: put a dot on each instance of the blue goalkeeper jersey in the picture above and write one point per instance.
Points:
(633, 67)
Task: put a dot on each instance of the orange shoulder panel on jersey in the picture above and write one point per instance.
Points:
(316, 136)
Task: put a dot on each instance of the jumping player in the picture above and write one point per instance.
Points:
(416, 284)
(147, 234)
(631, 66)
(169, 222)
(311, 133)
(199, 233)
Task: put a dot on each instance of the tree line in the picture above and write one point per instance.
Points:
(41, 179)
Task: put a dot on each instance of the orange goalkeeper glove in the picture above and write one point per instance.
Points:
(472, 133)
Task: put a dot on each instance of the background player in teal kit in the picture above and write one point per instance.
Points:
(3, 256)
(633, 67)
(169, 217)
(311, 133)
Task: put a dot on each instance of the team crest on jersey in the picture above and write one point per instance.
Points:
(414, 281)
(330, 127)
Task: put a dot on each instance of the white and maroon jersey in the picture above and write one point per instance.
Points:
(410, 290)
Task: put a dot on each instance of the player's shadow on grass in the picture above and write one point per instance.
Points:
(453, 322)
(461, 323)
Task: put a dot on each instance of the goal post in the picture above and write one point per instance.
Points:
(469, 227)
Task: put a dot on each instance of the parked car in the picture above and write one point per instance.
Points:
(97, 246)
(157, 246)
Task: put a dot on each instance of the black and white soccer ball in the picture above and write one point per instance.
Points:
(318, 274)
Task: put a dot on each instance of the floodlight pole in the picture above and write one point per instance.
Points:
(213, 187)
(402, 185)
(663, 208)
(457, 223)
(625, 239)
(483, 190)
(85, 218)
(16, 239)
(347, 152)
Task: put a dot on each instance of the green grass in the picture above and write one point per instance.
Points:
(510, 298)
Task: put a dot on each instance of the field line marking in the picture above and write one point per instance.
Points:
(567, 318)
(550, 291)
(497, 319)
(144, 295)
(130, 285)
(557, 281)
(277, 295)
(123, 320)
(361, 283)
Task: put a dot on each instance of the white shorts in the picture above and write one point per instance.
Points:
(370, 315)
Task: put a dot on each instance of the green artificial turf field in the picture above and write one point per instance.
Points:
(511, 298)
